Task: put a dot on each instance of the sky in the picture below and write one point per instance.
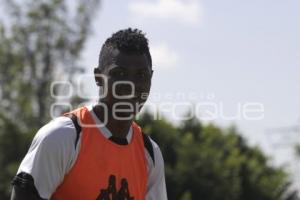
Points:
(228, 54)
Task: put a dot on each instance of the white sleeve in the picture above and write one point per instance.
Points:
(51, 155)
(156, 188)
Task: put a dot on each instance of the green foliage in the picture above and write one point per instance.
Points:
(297, 148)
(13, 146)
(41, 42)
(214, 164)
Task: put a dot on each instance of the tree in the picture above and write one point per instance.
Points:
(297, 149)
(41, 43)
(215, 164)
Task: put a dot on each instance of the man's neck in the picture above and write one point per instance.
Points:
(118, 128)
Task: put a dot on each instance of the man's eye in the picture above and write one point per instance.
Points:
(119, 73)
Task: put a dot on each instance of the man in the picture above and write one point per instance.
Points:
(98, 152)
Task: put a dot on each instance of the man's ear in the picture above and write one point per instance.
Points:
(98, 77)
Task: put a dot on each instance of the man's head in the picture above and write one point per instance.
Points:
(125, 69)
(129, 41)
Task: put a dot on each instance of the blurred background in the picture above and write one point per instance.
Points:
(224, 103)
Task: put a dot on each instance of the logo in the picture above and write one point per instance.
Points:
(111, 193)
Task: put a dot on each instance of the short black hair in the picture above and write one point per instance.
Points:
(131, 41)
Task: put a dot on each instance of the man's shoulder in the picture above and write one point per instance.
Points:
(156, 149)
(58, 130)
(50, 155)
(152, 150)
(154, 144)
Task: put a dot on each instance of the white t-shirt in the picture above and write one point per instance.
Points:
(52, 155)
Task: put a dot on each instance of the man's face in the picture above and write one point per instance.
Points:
(128, 83)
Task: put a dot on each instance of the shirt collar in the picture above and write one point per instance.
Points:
(103, 129)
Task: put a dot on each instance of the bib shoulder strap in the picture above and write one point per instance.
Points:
(74, 119)
(148, 145)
